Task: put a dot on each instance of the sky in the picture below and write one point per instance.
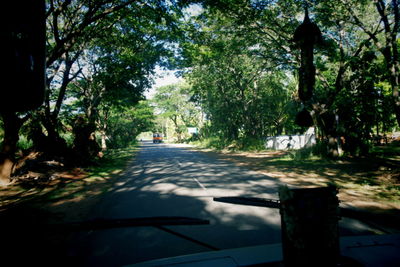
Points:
(167, 77)
(163, 77)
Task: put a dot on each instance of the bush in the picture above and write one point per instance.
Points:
(316, 151)
(210, 142)
(24, 143)
(251, 144)
(246, 144)
(68, 137)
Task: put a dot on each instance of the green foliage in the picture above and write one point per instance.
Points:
(242, 144)
(124, 125)
(250, 144)
(239, 60)
(173, 103)
(243, 70)
(68, 137)
(101, 57)
(243, 96)
(212, 142)
(113, 161)
(1, 131)
(24, 143)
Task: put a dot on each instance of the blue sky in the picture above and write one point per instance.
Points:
(166, 77)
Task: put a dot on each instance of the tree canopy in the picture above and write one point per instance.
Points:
(242, 63)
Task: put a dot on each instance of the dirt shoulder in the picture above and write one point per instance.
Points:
(368, 187)
(49, 192)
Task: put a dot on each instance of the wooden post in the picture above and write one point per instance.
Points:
(310, 235)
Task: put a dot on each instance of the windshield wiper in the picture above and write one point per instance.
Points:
(251, 201)
(101, 223)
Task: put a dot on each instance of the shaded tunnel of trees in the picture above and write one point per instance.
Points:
(240, 64)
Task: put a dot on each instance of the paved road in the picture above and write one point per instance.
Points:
(169, 180)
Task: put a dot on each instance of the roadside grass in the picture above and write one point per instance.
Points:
(243, 144)
(390, 151)
(209, 143)
(95, 179)
(27, 206)
(77, 186)
(367, 181)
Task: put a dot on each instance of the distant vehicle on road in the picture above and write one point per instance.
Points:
(157, 138)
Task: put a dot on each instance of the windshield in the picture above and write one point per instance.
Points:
(133, 132)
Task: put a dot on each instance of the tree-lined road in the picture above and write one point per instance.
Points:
(170, 180)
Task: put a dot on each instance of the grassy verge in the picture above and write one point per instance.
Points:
(69, 189)
(368, 181)
(242, 144)
(95, 179)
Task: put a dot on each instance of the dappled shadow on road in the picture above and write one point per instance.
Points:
(361, 183)
(116, 247)
(176, 182)
(29, 209)
(164, 181)
(167, 181)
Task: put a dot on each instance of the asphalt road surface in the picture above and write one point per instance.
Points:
(171, 180)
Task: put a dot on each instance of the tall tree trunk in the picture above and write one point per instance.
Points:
(85, 143)
(177, 129)
(103, 140)
(390, 50)
(50, 120)
(12, 124)
(396, 59)
(103, 132)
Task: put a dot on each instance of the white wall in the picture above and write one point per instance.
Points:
(284, 142)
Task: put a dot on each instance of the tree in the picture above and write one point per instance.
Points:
(118, 67)
(173, 102)
(242, 94)
(351, 52)
(121, 125)
(71, 25)
(264, 31)
(385, 35)
(135, 29)
(23, 36)
(71, 28)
